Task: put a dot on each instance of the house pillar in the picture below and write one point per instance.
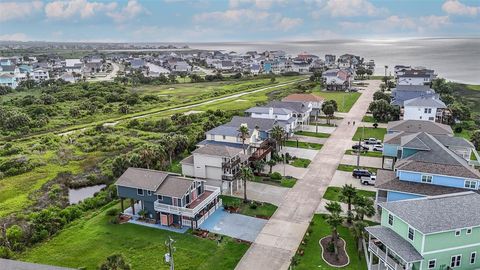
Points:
(121, 205)
(132, 204)
(370, 260)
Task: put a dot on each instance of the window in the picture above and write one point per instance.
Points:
(149, 192)
(212, 137)
(139, 191)
(390, 219)
(470, 184)
(411, 233)
(455, 262)
(473, 257)
(469, 230)
(431, 264)
(458, 232)
(224, 137)
(160, 197)
(427, 110)
(427, 178)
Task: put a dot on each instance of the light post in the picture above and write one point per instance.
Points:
(169, 255)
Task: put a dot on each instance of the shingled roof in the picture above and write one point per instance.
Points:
(217, 150)
(141, 178)
(414, 126)
(395, 242)
(303, 98)
(448, 212)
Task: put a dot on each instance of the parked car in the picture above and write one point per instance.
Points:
(354, 89)
(368, 180)
(378, 148)
(372, 141)
(360, 147)
(358, 173)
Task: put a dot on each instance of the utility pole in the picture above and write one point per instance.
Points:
(171, 249)
(360, 147)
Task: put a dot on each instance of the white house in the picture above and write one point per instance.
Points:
(283, 116)
(423, 108)
(40, 74)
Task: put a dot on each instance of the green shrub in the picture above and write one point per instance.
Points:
(330, 247)
(113, 212)
(275, 176)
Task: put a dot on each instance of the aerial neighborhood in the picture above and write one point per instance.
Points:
(173, 157)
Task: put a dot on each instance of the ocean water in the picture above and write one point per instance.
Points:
(454, 59)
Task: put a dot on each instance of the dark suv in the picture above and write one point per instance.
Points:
(358, 173)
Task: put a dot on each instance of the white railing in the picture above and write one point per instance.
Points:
(391, 263)
(184, 211)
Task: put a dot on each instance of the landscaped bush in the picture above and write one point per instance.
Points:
(113, 212)
(276, 176)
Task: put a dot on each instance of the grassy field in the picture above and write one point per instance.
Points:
(312, 134)
(301, 162)
(344, 100)
(350, 168)
(262, 209)
(333, 193)
(306, 145)
(312, 258)
(369, 132)
(365, 154)
(87, 242)
(284, 182)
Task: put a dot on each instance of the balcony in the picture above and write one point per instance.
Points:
(231, 163)
(260, 153)
(230, 176)
(194, 207)
(259, 144)
(382, 255)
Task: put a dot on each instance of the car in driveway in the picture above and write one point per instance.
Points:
(372, 141)
(378, 148)
(359, 173)
(360, 147)
(368, 180)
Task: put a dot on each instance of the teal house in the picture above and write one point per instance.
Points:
(430, 233)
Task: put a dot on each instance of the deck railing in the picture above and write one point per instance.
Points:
(184, 211)
(384, 257)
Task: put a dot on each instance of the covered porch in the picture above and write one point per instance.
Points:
(393, 252)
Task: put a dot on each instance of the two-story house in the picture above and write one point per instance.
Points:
(313, 100)
(282, 115)
(432, 233)
(428, 165)
(424, 108)
(301, 110)
(166, 198)
(337, 79)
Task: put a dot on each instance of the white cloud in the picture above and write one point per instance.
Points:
(261, 4)
(82, 8)
(130, 11)
(14, 37)
(13, 10)
(286, 23)
(345, 8)
(258, 19)
(434, 21)
(454, 7)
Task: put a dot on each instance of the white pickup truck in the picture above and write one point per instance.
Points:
(372, 141)
(368, 180)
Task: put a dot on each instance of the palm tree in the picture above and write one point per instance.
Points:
(364, 207)
(347, 195)
(358, 232)
(147, 155)
(244, 132)
(334, 220)
(115, 262)
(271, 163)
(246, 174)
(277, 133)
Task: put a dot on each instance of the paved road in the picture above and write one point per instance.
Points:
(279, 239)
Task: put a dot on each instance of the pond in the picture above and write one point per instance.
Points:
(78, 195)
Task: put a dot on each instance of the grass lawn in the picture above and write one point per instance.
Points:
(350, 168)
(87, 242)
(466, 134)
(473, 157)
(306, 145)
(313, 134)
(344, 100)
(369, 132)
(364, 154)
(312, 258)
(284, 182)
(301, 162)
(263, 209)
(333, 193)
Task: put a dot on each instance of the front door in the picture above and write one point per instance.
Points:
(164, 219)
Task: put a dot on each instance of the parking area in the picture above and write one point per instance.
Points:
(341, 178)
(374, 162)
(299, 152)
(234, 225)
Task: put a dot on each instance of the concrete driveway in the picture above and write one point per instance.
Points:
(321, 129)
(263, 193)
(234, 225)
(300, 152)
(374, 162)
(341, 178)
(288, 170)
(309, 139)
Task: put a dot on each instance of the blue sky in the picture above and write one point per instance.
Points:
(236, 20)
